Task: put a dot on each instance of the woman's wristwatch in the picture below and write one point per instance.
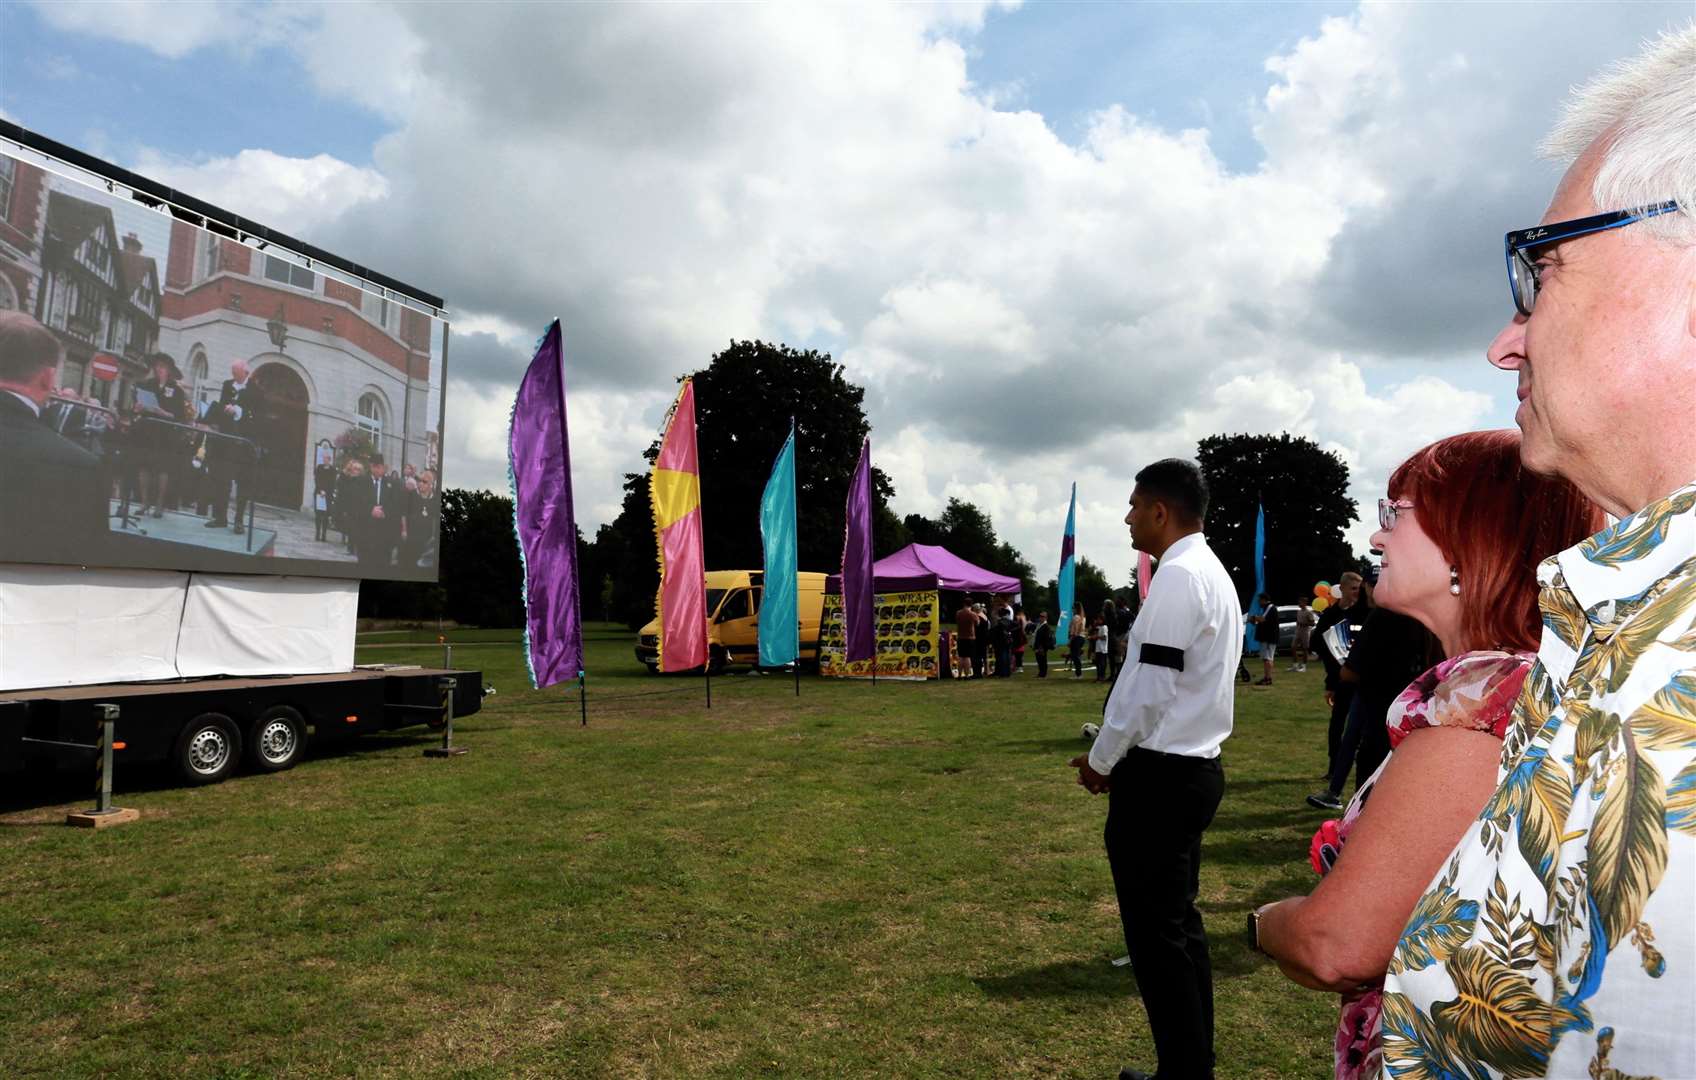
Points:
(1254, 929)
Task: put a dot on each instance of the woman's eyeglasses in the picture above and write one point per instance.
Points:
(1388, 510)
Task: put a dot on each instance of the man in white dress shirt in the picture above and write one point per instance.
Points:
(1157, 756)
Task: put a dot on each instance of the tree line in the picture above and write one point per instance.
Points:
(745, 399)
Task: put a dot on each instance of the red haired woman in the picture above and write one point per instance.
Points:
(1461, 535)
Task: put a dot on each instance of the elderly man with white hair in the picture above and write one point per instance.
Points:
(1560, 937)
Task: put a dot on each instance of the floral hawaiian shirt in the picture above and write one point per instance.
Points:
(1560, 938)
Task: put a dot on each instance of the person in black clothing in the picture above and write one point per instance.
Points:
(980, 648)
(1001, 637)
(1339, 691)
(1110, 619)
(52, 491)
(159, 448)
(1042, 641)
(1266, 635)
(1390, 653)
(323, 493)
(375, 508)
(418, 527)
(229, 462)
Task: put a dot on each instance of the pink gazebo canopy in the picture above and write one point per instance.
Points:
(928, 566)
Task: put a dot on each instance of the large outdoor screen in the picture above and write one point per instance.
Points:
(176, 399)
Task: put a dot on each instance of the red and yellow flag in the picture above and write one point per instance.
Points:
(675, 488)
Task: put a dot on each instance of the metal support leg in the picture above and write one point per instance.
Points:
(104, 813)
(447, 749)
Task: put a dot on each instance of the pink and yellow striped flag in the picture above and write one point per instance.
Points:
(675, 488)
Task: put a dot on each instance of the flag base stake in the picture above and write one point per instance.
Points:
(101, 819)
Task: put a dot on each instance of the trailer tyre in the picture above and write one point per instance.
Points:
(208, 749)
(276, 740)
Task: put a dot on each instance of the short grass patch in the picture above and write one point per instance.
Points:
(889, 881)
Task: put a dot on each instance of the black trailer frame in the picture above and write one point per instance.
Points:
(207, 727)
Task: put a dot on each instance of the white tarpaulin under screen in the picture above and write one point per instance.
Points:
(69, 626)
(235, 625)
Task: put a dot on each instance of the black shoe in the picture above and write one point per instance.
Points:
(215, 523)
(1128, 1073)
(1325, 800)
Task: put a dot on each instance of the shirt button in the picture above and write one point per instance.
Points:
(1605, 613)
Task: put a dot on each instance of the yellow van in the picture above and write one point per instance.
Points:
(733, 619)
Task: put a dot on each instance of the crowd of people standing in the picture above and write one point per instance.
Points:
(990, 639)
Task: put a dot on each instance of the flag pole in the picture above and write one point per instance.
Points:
(796, 663)
(582, 700)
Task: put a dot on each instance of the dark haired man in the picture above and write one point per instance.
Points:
(1157, 755)
(52, 498)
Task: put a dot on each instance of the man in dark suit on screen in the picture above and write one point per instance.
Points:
(52, 497)
(376, 505)
(230, 462)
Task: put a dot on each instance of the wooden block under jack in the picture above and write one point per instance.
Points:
(444, 751)
(90, 819)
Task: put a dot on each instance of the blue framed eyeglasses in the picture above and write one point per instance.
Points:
(1525, 276)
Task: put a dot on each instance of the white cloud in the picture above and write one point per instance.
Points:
(1023, 311)
(171, 28)
(300, 196)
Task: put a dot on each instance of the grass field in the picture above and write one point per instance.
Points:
(889, 881)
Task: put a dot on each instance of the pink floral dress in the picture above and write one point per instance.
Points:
(1475, 691)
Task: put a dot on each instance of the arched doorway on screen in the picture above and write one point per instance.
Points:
(280, 430)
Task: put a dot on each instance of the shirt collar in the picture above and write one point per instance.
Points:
(33, 407)
(1183, 544)
(1628, 557)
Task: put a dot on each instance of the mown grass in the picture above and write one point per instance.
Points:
(889, 881)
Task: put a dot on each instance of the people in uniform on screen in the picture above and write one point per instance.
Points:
(52, 497)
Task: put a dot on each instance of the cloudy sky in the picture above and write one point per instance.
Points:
(1054, 242)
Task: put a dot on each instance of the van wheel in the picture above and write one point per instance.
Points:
(653, 669)
(207, 749)
(717, 660)
(276, 740)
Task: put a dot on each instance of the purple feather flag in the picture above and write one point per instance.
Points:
(539, 456)
(859, 610)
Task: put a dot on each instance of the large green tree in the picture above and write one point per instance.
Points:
(1305, 492)
(744, 400)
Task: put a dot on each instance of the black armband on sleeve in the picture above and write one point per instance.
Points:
(1162, 656)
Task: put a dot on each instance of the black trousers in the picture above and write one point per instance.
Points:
(225, 472)
(1042, 663)
(1158, 807)
(1365, 745)
(1341, 699)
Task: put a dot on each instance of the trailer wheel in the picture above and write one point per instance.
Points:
(208, 749)
(276, 740)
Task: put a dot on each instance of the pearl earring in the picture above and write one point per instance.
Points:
(1454, 581)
